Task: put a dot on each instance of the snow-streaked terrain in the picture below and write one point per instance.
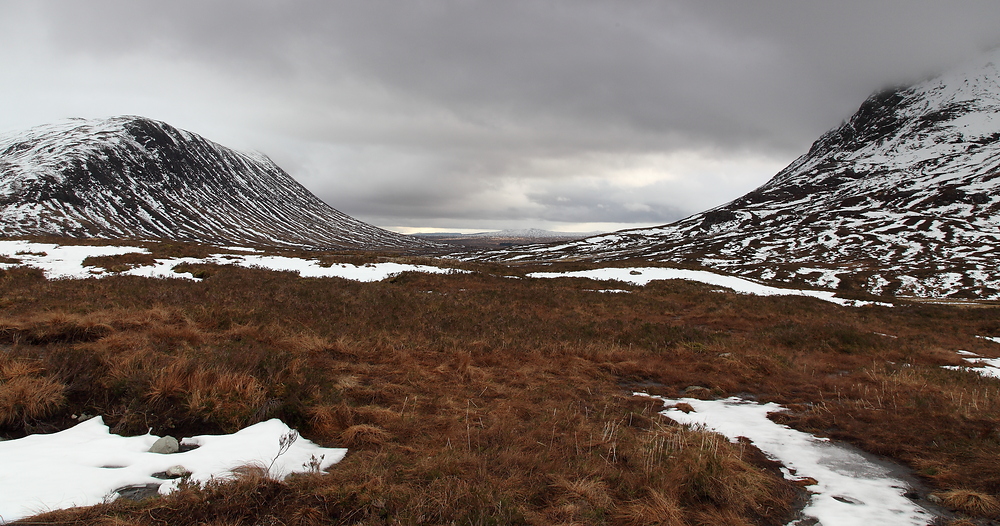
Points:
(85, 465)
(643, 275)
(902, 199)
(67, 262)
(850, 489)
(131, 177)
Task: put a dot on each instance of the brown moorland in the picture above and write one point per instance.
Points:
(481, 399)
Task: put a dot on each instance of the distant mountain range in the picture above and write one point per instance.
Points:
(132, 177)
(903, 199)
(502, 238)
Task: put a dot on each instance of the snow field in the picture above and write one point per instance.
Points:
(66, 262)
(85, 464)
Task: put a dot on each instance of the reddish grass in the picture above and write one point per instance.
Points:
(491, 400)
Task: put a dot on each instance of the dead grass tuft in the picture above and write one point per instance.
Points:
(25, 396)
(364, 435)
(972, 502)
(655, 509)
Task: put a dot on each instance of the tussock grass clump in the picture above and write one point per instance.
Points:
(972, 502)
(120, 262)
(27, 395)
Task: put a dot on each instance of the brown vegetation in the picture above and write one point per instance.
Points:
(482, 399)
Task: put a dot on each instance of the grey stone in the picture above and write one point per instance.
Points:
(139, 492)
(694, 388)
(177, 472)
(165, 445)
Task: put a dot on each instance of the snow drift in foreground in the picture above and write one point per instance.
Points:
(85, 464)
(850, 489)
(66, 262)
(643, 275)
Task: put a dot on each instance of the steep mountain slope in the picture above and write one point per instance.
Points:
(138, 178)
(904, 198)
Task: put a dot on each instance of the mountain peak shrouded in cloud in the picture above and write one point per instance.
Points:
(903, 198)
(131, 177)
(488, 114)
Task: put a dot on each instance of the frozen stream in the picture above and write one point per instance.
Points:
(852, 488)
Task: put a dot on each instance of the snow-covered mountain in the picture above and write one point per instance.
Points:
(903, 198)
(131, 177)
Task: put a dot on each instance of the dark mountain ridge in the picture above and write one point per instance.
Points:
(132, 177)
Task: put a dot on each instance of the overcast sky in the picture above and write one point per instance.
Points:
(483, 115)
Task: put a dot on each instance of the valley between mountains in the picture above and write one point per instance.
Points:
(173, 286)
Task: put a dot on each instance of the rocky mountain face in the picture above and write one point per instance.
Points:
(131, 177)
(902, 199)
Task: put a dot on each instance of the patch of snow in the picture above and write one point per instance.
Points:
(240, 249)
(307, 268)
(850, 489)
(60, 261)
(827, 278)
(85, 464)
(643, 275)
(985, 367)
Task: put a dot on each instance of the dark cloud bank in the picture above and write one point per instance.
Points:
(489, 114)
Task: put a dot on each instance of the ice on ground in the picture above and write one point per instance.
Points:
(85, 464)
(643, 275)
(66, 262)
(850, 489)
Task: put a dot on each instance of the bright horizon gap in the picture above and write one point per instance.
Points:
(575, 228)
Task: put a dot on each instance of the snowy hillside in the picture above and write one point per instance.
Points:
(131, 177)
(904, 198)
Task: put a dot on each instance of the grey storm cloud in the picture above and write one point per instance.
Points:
(523, 113)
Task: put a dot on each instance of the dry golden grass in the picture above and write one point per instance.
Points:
(24, 396)
(971, 502)
(490, 400)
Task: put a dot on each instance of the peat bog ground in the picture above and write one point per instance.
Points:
(491, 398)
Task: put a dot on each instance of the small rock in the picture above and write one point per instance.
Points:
(694, 388)
(177, 471)
(635, 273)
(165, 445)
(934, 499)
(139, 492)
